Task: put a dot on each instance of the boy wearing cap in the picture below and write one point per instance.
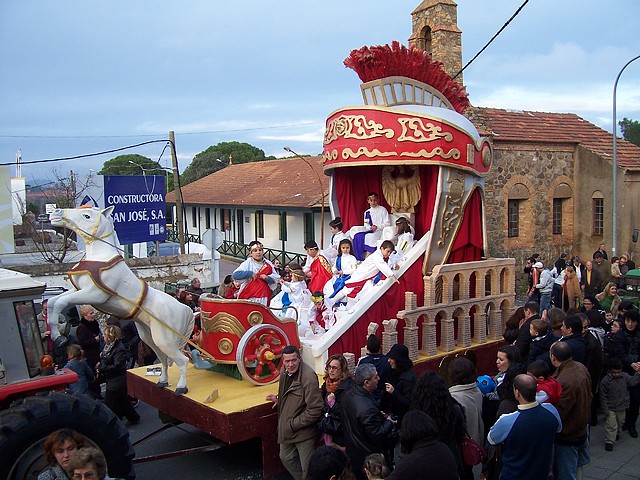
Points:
(317, 268)
(545, 286)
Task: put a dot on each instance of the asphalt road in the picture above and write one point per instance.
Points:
(242, 461)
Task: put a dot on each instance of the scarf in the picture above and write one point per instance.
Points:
(332, 385)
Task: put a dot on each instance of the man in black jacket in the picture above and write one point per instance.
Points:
(366, 429)
(379, 360)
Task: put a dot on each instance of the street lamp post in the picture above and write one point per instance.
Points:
(288, 149)
(614, 222)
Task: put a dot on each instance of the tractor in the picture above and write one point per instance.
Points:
(33, 400)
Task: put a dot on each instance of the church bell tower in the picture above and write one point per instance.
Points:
(435, 30)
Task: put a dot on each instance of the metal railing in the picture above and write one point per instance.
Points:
(172, 236)
(240, 250)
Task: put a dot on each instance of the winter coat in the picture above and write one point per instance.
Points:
(113, 367)
(470, 398)
(336, 411)
(614, 394)
(573, 290)
(628, 345)
(365, 429)
(299, 405)
(575, 402)
(85, 375)
(429, 460)
(595, 286)
(53, 472)
(86, 333)
(578, 348)
(540, 348)
(399, 401)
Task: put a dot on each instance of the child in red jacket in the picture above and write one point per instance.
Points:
(549, 389)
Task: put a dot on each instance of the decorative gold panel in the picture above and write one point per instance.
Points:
(255, 318)
(222, 322)
(453, 205)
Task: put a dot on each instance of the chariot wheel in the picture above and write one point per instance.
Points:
(259, 352)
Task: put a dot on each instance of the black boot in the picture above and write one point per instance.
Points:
(632, 431)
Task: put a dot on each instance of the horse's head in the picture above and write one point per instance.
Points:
(90, 223)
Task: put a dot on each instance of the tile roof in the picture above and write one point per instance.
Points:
(524, 126)
(290, 180)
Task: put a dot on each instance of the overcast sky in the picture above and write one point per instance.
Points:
(78, 77)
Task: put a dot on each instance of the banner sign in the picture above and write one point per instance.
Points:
(139, 207)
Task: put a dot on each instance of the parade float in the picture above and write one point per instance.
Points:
(410, 143)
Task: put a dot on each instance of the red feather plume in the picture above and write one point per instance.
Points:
(373, 63)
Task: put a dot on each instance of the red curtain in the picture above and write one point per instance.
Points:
(354, 184)
(467, 246)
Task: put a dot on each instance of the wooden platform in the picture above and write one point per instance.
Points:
(241, 411)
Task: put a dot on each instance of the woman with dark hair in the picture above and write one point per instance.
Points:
(463, 389)
(508, 402)
(426, 455)
(590, 302)
(398, 391)
(59, 447)
(432, 397)
(186, 297)
(337, 380)
(513, 325)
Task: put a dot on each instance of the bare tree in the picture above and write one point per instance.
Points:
(65, 191)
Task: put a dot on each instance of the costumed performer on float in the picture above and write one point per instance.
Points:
(404, 240)
(374, 268)
(317, 267)
(319, 314)
(345, 265)
(258, 275)
(337, 235)
(365, 238)
(292, 294)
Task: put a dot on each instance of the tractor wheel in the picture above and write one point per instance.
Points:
(25, 425)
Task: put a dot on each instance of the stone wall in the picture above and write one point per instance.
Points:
(540, 168)
(446, 38)
(156, 271)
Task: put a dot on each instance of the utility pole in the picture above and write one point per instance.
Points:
(176, 184)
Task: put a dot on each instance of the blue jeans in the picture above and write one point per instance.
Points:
(567, 460)
(545, 302)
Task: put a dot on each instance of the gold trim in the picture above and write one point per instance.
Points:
(418, 128)
(222, 323)
(453, 205)
(255, 318)
(409, 113)
(383, 161)
(470, 154)
(355, 126)
(225, 346)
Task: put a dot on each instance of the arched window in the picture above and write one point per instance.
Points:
(597, 213)
(518, 193)
(560, 196)
(424, 40)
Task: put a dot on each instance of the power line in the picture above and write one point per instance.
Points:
(75, 157)
(211, 132)
(492, 38)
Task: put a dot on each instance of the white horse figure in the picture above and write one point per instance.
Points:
(103, 280)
